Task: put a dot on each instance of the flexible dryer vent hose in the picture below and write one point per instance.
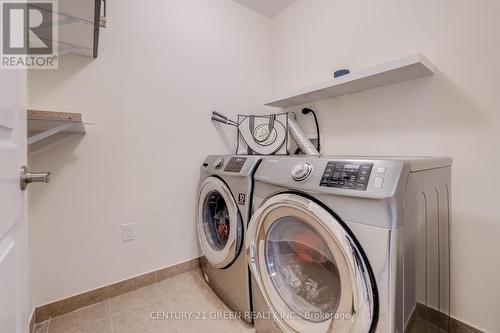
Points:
(299, 137)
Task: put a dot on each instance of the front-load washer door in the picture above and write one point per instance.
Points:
(220, 229)
(309, 269)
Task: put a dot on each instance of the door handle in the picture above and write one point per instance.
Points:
(32, 177)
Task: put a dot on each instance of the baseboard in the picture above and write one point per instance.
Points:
(58, 308)
(431, 318)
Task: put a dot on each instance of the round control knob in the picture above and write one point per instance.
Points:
(218, 163)
(301, 171)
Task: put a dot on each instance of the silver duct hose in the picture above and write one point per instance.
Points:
(299, 137)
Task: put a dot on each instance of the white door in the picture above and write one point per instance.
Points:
(14, 291)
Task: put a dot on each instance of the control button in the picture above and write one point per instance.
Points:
(381, 170)
(301, 171)
(219, 161)
(379, 181)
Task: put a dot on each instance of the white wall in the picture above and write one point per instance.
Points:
(454, 113)
(164, 65)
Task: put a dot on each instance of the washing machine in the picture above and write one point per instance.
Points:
(349, 244)
(224, 207)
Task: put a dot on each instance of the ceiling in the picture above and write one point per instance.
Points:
(269, 8)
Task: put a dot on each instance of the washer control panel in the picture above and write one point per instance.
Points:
(347, 175)
(218, 163)
(235, 164)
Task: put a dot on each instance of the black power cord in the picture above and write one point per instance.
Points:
(307, 111)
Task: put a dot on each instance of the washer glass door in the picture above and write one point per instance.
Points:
(309, 270)
(302, 269)
(219, 223)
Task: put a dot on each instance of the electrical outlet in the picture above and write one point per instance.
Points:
(128, 233)
(309, 106)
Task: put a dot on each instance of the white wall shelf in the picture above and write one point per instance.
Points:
(403, 69)
(42, 124)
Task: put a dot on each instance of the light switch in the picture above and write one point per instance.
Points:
(379, 181)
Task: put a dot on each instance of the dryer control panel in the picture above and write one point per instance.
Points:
(235, 164)
(347, 175)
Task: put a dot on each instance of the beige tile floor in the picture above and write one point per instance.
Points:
(132, 312)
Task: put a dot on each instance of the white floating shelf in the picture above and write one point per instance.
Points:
(42, 124)
(403, 69)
